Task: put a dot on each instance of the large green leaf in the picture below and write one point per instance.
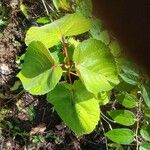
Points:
(145, 146)
(121, 136)
(76, 106)
(146, 94)
(39, 73)
(127, 100)
(96, 66)
(145, 132)
(51, 34)
(123, 117)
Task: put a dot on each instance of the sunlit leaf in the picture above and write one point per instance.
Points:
(51, 34)
(145, 146)
(78, 108)
(39, 73)
(123, 117)
(96, 66)
(127, 100)
(121, 136)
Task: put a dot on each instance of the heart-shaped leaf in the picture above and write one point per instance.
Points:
(51, 34)
(121, 136)
(39, 73)
(96, 66)
(78, 108)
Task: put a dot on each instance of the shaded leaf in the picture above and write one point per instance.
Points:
(84, 7)
(145, 132)
(146, 94)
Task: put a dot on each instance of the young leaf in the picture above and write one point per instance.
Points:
(146, 94)
(51, 34)
(145, 132)
(96, 66)
(78, 108)
(39, 73)
(127, 100)
(121, 136)
(123, 117)
(145, 146)
(103, 97)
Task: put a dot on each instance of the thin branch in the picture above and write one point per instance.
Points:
(45, 7)
(107, 118)
(107, 122)
(106, 142)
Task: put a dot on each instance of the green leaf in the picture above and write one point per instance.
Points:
(78, 108)
(84, 7)
(104, 37)
(129, 73)
(145, 146)
(115, 48)
(96, 29)
(96, 66)
(103, 97)
(52, 33)
(146, 94)
(43, 20)
(62, 4)
(145, 132)
(127, 100)
(123, 117)
(147, 112)
(121, 136)
(39, 73)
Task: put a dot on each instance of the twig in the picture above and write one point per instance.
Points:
(106, 142)
(107, 122)
(107, 118)
(45, 7)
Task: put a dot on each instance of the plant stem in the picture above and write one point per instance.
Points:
(45, 7)
(107, 118)
(138, 122)
(68, 64)
(107, 122)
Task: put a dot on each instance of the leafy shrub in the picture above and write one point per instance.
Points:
(79, 75)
